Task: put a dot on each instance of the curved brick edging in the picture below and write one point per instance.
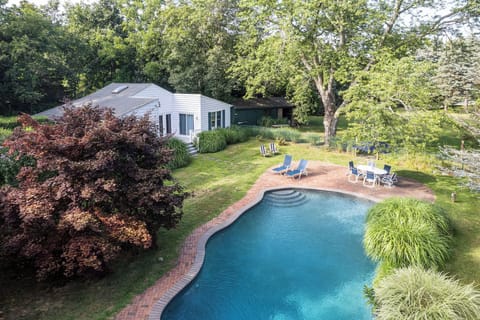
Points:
(161, 304)
(322, 176)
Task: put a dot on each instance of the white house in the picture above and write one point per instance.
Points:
(183, 115)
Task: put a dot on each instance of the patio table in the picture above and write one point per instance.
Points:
(375, 170)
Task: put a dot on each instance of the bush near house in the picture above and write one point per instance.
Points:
(99, 186)
(211, 141)
(235, 134)
(181, 157)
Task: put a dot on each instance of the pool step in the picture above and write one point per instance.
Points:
(285, 198)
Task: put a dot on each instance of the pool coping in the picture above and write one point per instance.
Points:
(162, 303)
(322, 176)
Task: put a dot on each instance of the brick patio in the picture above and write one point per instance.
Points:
(322, 176)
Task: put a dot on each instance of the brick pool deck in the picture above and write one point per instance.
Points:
(321, 176)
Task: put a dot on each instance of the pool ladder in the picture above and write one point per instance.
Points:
(285, 198)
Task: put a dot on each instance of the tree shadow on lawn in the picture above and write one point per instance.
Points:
(417, 175)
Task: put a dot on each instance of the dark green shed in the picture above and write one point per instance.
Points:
(251, 111)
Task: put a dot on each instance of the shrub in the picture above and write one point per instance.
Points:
(314, 139)
(235, 134)
(181, 157)
(404, 232)
(10, 166)
(266, 122)
(98, 186)
(263, 133)
(269, 121)
(211, 141)
(286, 134)
(414, 293)
(4, 134)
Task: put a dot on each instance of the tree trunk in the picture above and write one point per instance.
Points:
(327, 96)
(330, 123)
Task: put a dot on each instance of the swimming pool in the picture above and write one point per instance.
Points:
(296, 255)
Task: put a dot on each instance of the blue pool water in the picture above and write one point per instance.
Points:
(296, 255)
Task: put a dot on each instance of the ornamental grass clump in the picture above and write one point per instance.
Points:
(180, 157)
(414, 293)
(287, 134)
(402, 232)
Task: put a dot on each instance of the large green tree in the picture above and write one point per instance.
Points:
(325, 42)
(388, 103)
(193, 43)
(37, 58)
(457, 76)
(108, 55)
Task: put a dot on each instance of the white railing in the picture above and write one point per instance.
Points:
(194, 134)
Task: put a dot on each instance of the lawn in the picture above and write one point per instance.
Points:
(215, 181)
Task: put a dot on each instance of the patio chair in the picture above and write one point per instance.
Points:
(387, 168)
(370, 177)
(299, 171)
(263, 151)
(354, 173)
(389, 179)
(350, 165)
(287, 162)
(371, 163)
(273, 148)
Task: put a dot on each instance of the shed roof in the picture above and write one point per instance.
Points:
(262, 103)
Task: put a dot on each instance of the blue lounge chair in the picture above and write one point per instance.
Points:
(299, 171)
(263, 151)
(273, 148)
(287, 162)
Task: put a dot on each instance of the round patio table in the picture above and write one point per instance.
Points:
(375, 170)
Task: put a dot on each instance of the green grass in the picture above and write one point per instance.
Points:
(7, 124)
(216, 181)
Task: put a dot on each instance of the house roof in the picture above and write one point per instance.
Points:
(262, 103)
(122, 102)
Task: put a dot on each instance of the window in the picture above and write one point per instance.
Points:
(168, 119)
(186, 124)
(160, 125)
(216, 119)
(219, 119)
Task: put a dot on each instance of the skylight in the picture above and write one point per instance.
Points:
(119, 89)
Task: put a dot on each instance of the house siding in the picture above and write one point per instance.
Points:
(140, 99)
(151, 109)
(213, 105)
(187, 104)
